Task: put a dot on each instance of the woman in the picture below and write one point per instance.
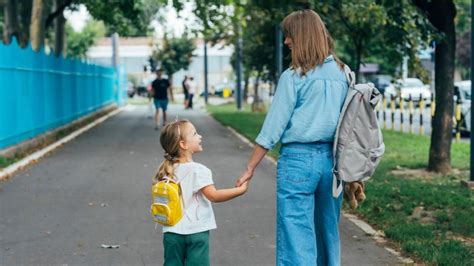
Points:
(303, 117)
(185, 91)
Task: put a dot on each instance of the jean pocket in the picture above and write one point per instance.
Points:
(295, 167)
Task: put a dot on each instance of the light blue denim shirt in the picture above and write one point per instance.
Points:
(305, 108)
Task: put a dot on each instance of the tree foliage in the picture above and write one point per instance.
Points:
(174, 54)
(79, 42)
(128, 18)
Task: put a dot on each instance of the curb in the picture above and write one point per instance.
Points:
(36, 156)
(36, 143)
(378, 236)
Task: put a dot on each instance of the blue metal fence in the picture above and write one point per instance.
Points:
(39, 92)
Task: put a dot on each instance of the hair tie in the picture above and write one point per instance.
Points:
(169, 157)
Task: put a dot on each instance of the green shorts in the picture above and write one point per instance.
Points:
(189, 250)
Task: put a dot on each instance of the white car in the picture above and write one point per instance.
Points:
(462, 89)
(410, 87)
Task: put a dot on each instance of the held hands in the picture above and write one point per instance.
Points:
(244, 178)
(244, 187)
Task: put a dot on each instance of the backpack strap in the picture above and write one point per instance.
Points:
(336, 182)
(350, 76)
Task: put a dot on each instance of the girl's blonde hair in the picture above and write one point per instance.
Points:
(311, 41)
(170, 137)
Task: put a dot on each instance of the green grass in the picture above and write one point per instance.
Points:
(439, 235)
(4, 161)
(138, 100)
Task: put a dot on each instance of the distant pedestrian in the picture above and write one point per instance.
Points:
(150, 104)
(160, 88)
(192, 91)
(185, 85)
(187, 242)
(303, 117)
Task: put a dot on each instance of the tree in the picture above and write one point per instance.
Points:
(11, 24)
(441, 14)
(59, 32)
(463, 52)
(79, 42)
(30, 20)
(37, 26)
(463, 37)
(174, 54)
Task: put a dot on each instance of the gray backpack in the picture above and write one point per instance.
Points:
(358, 144)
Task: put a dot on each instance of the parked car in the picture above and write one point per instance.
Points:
(410, 87)
(130, 90)
(462, 91)
(381, 82)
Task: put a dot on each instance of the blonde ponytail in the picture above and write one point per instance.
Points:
(170, 137)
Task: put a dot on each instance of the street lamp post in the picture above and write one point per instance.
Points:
(472, 90)
(239, 71)
(206, 90)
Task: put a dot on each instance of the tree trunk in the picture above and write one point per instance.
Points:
(59, 32)
(246, 86)
(37, 28)
(442, 17)
(257, 104)
(24, 10)
(11, 21)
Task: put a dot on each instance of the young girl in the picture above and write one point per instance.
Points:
(187, 242)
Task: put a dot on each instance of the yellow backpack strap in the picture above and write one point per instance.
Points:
(189, 170)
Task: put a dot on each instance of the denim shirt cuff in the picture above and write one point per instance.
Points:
(262, 141)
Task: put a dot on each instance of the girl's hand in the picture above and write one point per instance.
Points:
(245, 186)
(245, 177)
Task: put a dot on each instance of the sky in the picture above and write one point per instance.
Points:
(174, 23)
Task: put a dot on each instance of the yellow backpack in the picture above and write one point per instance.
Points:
(167, 207)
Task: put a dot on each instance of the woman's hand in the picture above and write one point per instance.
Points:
(257, 155)
(245, 177)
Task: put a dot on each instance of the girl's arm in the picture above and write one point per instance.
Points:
(220, 195)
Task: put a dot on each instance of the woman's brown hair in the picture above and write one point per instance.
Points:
(170, 137)
(311, 41)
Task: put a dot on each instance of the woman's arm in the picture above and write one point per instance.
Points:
(256, 157)
(220, 195)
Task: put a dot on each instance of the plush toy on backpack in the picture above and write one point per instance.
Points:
(354, 193)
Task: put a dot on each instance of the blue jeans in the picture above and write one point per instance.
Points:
(307, 213)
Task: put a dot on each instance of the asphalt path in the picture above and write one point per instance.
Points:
(94, 191)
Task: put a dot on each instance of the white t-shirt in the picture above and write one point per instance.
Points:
(198, 215)
(192, 87)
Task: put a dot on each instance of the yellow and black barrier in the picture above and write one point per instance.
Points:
(392, 111)
(457, 115)
(402, 103)
(410, 112)
(413, 105)
(422, 110)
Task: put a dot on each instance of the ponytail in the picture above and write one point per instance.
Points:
(166, 168)
(170, 137)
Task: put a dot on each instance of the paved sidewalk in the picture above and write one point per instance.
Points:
(95, 190)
